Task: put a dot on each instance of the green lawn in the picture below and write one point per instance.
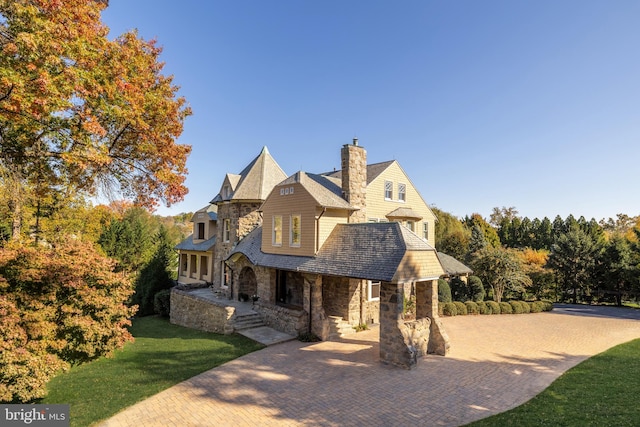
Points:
(161, 356)
(601, 391)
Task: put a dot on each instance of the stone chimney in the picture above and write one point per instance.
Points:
(354, 179)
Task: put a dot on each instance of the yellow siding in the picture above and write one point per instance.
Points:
(378, 207)
(204, 263)
(417, 266)
(329, 219)
(209, 226)
(298, 203)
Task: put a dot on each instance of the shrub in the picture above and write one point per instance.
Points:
(526, 308)
(516, 308)
(505, 308)
(472, 307)
(494, 306)
(483, 308)
(547, 305)
(460, 308)
(444, 291)
(459, 290)
(476, 289)
(449, 309)
(162, 303)
(536, 306)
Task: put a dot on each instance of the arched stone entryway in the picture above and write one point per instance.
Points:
(248, 284)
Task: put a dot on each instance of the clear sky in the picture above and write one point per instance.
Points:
(532, 104)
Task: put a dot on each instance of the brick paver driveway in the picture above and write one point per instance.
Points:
(496, 363)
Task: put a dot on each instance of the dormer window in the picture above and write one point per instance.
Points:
(226, 192)
(201, 230)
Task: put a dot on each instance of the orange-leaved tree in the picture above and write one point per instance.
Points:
(61, 305)
(78, 109)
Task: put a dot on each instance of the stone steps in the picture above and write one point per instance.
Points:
(247, 321)
(338, 327)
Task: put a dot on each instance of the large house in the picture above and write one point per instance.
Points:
(344, 246)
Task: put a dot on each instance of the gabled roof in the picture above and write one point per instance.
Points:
(404, 213)
(372, 251)
(211, 211)
(325, 191)
(188, 245)
(373, 171)
(256, 180)
(451, 266)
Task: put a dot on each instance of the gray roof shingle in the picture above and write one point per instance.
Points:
(326, 191)
(188, 245)
(256, 180)
(364, 250)
(404, 213)
(452, 266)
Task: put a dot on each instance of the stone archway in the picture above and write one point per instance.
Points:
(248, 283)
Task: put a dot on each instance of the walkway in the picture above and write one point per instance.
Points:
(496, 363)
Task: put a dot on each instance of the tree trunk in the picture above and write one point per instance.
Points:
(16, 222)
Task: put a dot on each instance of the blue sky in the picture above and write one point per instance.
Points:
(532, 104)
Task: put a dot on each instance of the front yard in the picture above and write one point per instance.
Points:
(161, 356)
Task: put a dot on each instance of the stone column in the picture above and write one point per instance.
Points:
(427, 307)
(393, 348)
(312, 302)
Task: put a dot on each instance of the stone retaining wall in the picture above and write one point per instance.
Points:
(293, 322)
(195, 312)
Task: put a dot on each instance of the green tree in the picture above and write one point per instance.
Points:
(573, 257)
(452, 237)
(444, 291)
(476, 289)
(502, 270)
(156, 275)
(130, 240)
(618, 266)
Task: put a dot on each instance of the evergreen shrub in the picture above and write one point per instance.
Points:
(444, 291)
(472, 307)
(483, 308)
(476, 289)
(505, 308)
(461, 309)
(526, 308)
(162, 302)
(494, 306)
(516, 308)
(536, 306)
(449, 309)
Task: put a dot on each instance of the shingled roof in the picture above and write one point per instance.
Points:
(373, 171)
(325, 190)
(404, 213)
(188, 245)
(451, 266)
(372, 251)
(256, 180)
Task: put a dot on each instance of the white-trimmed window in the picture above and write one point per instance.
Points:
(226, 230)
(295, 230)
(402, 192)
(411, 225)
(225, 275)
(425, 230)
(388, 190)
(276, 238)
(373, 291)
(201, 230)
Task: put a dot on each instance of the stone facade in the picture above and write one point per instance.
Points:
(194, 312)
(284, 319)
(402, 343)
(354, 179)
(243, 218)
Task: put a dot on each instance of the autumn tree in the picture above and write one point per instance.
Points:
(80, 110)
(60, 306)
